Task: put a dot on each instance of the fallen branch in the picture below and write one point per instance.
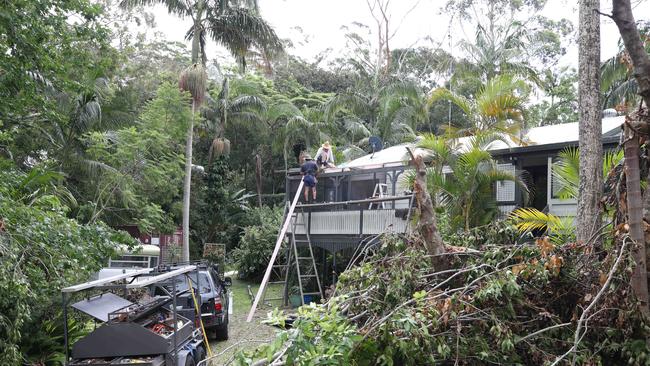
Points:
(578, 336)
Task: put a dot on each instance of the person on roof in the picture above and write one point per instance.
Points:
(308, 170)
(325, 156)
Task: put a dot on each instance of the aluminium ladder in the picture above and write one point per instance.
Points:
(380, 191)
(304, 263)
(291, 252)
(304, 275)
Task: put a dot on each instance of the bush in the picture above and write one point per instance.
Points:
(41, 251)
(498, 232)
(512, 305)
(256, 245)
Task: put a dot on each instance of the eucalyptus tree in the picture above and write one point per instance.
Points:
(588, 215)
(234, 24)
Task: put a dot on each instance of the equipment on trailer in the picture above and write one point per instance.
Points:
(152, 331)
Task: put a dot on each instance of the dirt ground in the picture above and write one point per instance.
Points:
(243, 335)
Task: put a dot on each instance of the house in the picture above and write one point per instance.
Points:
(169, 244)
(365, 197)
(344, 220)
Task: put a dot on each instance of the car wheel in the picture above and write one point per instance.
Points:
(200, 354)
(189, 361)
(221, 332)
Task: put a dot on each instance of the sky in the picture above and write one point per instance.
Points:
(314, 26)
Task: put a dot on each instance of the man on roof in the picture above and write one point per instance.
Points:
(325, 156)
(309, 169)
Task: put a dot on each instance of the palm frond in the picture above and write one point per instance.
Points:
(531, 219)
(458, 100)
(178, 7)
(239, 29)
(352, 102)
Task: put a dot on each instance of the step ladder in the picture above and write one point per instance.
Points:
(381, 191)
(289, 243)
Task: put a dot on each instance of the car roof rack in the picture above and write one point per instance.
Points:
(140, 278)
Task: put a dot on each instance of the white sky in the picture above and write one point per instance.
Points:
(321, 23)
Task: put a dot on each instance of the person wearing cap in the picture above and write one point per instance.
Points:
(308, 170)
(325, 156)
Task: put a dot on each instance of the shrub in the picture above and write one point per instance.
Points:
(256, 245)
(41, 251)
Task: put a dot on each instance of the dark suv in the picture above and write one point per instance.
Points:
(214, 298)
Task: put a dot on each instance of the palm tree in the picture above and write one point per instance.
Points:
(243, 109)
(391, 112)
(234, 24)
(192, 80)
(292, 125)
(618, 84)
(496, 50)
(498, 107)
(566, 170)
(463, 180)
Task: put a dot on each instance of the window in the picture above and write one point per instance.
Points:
(505, 190)
(130, 261)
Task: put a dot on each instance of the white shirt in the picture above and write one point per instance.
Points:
(327, 157)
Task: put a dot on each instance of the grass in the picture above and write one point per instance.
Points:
(245, 336)
(241, 298)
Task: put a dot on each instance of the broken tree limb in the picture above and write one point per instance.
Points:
(427, 226)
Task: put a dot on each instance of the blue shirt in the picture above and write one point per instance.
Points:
(309, 167)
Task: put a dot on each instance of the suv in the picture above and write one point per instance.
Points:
(214, 298)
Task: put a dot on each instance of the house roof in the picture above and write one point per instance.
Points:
(536, 138)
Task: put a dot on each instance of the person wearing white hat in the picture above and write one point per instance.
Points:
(308, 169)
(325, 156)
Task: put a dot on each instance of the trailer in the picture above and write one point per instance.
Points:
(152, 331)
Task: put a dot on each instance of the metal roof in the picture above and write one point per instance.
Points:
(536, 138)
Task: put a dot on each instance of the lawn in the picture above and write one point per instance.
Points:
(243, 335)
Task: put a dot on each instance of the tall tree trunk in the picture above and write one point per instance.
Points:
(187, 183)
(198, 30)
(258, 178)
(624, 19)
(588, 218)
(427, 226)
(639, 279)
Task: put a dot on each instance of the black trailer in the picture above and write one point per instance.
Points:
(153, 331)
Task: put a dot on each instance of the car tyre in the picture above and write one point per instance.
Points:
(200, 354)
(189, 361)
(221, 332)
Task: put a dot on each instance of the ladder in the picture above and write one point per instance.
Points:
(304, 261)
(291, 252)
(381, 190)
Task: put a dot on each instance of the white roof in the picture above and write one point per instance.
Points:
(545, 135)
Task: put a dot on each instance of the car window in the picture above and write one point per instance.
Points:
(204, 282)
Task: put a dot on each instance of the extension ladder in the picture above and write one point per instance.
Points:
(290, 244)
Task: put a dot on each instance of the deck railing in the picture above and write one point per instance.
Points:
(354, 217)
